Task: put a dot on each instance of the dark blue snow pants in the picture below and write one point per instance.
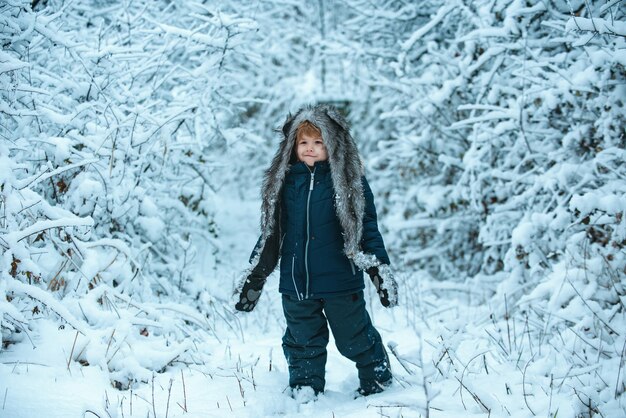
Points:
(306, 338)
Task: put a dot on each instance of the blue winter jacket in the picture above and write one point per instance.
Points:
(313, 264)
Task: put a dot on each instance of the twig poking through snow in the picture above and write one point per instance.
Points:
(169, 393)
(474, 396)
(69, 360)
(392, 348)
(621, 363)
(153, 406)
(524, 386)
(590, 309)
(463, 386)
(184, 405)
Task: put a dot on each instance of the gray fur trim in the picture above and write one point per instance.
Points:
(346, 170)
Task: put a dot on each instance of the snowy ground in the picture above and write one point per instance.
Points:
(445, 363)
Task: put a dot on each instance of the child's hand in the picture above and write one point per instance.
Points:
(385, 284)
(250, 294)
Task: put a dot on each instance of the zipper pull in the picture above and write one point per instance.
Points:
(312, 179)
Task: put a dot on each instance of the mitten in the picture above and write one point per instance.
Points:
(250, 293)
(385, 284)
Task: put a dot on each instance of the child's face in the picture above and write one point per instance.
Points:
(311, 149)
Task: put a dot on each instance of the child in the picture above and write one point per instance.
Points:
(318, 217)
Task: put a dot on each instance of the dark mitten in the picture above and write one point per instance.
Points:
(250, 293)
(385, 284)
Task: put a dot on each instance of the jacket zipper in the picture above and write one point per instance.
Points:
(308, 232)
(352, 267)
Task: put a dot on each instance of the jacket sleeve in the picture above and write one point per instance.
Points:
(372, 241)
(268, 259)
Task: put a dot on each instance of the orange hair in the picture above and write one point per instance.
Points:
(307, 128)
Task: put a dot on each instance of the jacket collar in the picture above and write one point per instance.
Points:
(302, 168)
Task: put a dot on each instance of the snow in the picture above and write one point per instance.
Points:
(48, 300)
(602, 26)
(244, 374)
(418, 34)
(133, 140)
(14, 237)
(606, 202)
(152, 226)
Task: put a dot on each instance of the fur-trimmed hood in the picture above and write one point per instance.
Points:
(346, 171)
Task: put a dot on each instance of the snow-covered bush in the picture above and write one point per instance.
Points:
(504, 166)
(112, 134)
